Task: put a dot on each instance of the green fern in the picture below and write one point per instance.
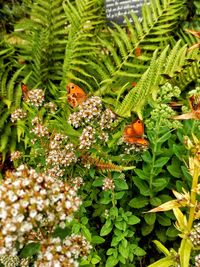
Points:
(155, 30)
(84, 18)
(148, 84)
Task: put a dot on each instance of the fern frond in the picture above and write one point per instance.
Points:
(83, 17)
(147, 86)
(103, 166)
(155, 30)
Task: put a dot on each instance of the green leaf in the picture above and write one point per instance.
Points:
(120, 184)
(163, 220)
(161, 162)
(138, 202)
(86, 232)
(174, 170)
(113, 211)
(142, 186)
(133, 220)
(172, 231)
(161, 247)
(30, 250)
(98, 182)
(164, 137)
(139, 252)
(107, 228)
(150, 218)
(155, 201)
(111, 261)
(160, 184)
(95, 259)
(97, 239)
(121, 225)
(119, 195)
(165, 262)
(141, 174)
(146, 156)
(185, 251)
(147, 229)
(124, 251)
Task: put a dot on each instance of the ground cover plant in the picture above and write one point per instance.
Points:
(99, 129)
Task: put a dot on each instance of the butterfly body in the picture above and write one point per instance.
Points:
(25, 90)
(76, 95)
(133, 133)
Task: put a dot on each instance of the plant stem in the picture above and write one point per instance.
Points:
(193, 194)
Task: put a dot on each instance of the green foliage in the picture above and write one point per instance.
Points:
(69, 41)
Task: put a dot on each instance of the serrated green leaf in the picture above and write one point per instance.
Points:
(138, 202)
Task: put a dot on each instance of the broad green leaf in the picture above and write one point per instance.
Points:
(121, 225)
(155, 201)
(160, 184)
(164, 137)
(150, 218)
(95, 259)
(172, 231)
(113, 211)
(146, 156)
(119, 195)
(161, 162)
(124, 251)
(98, 182)
(120, 184)
(111, 261)
(142, 186)
(133, 220)
(86, 232)
(30, 250)
(163, 220)
(138, 202)
(147, 229)
(139, 252)
(107, 228)
(141, 174)
(97, 239)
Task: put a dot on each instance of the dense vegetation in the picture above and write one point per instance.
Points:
(82, 182)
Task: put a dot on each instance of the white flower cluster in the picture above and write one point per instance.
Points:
(88, 111)
(39, 129)
(197, 261)
(107, 119)
(87, 138)
(35, 97)
(108, 184)
(28, 201)
(60, 155)
(195, 235)
(51, 106)
(15, 155)
(57, 253)
(18, 114)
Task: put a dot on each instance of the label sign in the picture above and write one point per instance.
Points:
(117, 9)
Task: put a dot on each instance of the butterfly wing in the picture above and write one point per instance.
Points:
(76, 95)
(138, 128)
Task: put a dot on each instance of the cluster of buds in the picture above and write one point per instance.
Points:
(29, 201)
(60, 154)
(51, 106)
(107, 118)
(15, 155)
(87, 138)
(35, 97)
(55, 252)
(88, 111)
(39, 129)
(18, 114)
(108, 184)
(197, 261)
(195, 235)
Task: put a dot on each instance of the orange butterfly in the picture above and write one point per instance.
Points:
(76, 95)
(194, 102)
(24, 89)
(134, 132)
(138, 51)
